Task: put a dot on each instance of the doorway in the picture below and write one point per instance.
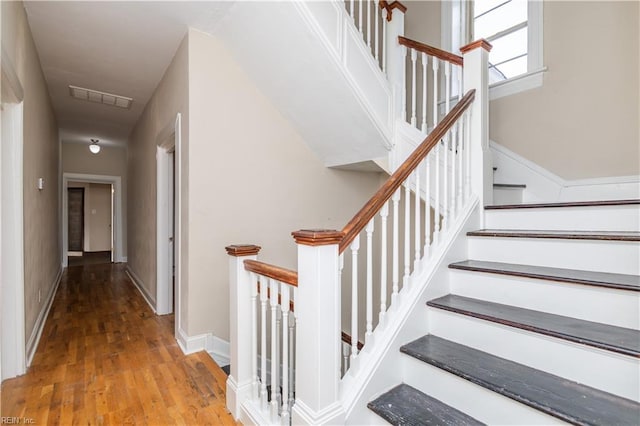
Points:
(107, 216)
(90, 223)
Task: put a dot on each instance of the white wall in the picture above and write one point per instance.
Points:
(252, 179)
(584, 122)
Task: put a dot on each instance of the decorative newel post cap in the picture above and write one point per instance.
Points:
(318, 237)
(476, 44)
(240, 250)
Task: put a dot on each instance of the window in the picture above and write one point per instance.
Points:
(509, 25)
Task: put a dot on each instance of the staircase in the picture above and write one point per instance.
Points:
(541, 324)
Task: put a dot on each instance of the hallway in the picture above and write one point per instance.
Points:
(106, 358)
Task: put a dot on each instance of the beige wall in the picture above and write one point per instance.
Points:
(422, 22)
(252, 180)
(584, 122)
(170, 98)
(41, 159)
(110, 161)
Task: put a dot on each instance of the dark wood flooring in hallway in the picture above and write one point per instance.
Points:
(105, 358)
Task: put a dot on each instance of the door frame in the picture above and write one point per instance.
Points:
(117, 225)
(12, 319)
(168, 141)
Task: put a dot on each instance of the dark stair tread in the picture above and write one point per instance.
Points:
(565, 204)
(608, 337)
(553, 395)
(599, 279)
(405, 405)
(510, 185)
(567, 235)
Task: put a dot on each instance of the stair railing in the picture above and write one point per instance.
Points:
(309, 383)
(371, 18)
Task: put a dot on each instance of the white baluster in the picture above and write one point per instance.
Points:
(360, 16)
(264, 285)
(384, 214)
(254, 336)
(369, 23)
(384, 38)
(346, 351)
(414, 57)
(467, 153)
(404, 84)
(427, 202)
(273, 299)
(436, 220)
(369, 328)
(460, 154)
(407, 234)
(447, 87)
(284, 411)
(424, 60)
(460, 90)
(395, 250)
(445, 187)
(417, 220)
(355, 246)
(434, 64)
(351, 10)
(292, 360)
(376, 34)
(454, 158)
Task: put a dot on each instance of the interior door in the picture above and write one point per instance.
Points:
(76, 219)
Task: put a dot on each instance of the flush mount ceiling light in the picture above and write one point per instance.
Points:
(100, 97)
(94, 147)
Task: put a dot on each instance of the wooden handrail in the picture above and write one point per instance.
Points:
(390, 6)
(346, 338)
(373, 206)
(284, 275)
(430, 50)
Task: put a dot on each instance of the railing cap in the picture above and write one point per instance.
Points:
(241, 250)
(317, 237)
(475, 44)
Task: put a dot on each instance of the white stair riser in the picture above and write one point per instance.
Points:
(605, 370)
(622, 307)
(503, 196)
(601, 218)
(474, 400)
(604, 256)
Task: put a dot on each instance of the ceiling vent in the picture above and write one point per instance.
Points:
(100, 97)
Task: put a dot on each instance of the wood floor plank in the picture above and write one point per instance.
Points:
(106, 358)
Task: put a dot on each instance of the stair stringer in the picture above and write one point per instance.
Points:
(317, 70)
(378, 368)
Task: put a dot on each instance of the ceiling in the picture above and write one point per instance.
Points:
(122, 48)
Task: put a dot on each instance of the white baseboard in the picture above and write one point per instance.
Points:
(141, 288)
(545, 186)
(217, 348)
(34, 339)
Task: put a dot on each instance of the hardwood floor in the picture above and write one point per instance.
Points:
(105, 358)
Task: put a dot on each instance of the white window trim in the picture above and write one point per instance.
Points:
(533, 78)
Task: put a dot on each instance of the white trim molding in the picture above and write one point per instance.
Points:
(545, 186)
(36, 333)
(141, 288)
(118, 222)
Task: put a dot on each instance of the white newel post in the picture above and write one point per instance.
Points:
(395, 56)
(318, 342)
(240, 381)
(476, 76)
